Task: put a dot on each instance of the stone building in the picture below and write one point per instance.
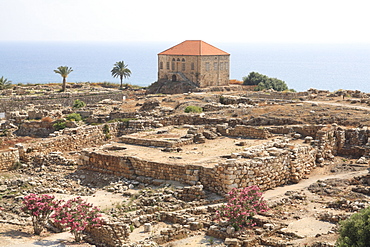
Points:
(194, 62)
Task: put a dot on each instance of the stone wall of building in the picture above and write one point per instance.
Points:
(214, 70)
(203, 71)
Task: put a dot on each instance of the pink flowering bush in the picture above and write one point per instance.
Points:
(242, 205)
(76, 214)
(40, 207)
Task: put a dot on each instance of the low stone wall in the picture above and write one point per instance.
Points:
(155, 143)
(72, 140)
(109, 234)
(65, 99)
(249, 131)
(8, 158)
(280, 163)
(35, 128)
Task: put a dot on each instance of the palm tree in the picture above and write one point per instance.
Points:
(120, 70)
(4, 83)
(64, 72)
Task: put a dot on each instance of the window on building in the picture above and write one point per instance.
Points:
(207, 66)
(215, 66)
(161, 65)
(192, 66)
(183, 66)
(226, 65)
(183, 60)
(173, 65)
(221, 66)
(168, 65)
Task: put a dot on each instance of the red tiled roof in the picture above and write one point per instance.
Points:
(193, 47)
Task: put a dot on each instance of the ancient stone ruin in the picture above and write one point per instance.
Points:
(147, 141)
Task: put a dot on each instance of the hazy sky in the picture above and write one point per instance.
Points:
(297, 21)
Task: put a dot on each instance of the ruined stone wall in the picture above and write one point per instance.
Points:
(249, 131)
(335, 140)
(156, 143)
(73, 139)
(304, 130)
(8, 158)
(34, 128)
(108, 234)
(279, 165)
(65, 99)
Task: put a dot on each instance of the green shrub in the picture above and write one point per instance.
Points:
(78, 104)
(263, 82)
(106, 131)
(355, 231)
(74, 117)
(59, 125)
(193, 109)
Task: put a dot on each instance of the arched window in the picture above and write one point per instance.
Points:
(183, 64)
(192, 66)
(178, 59)
(168, 65)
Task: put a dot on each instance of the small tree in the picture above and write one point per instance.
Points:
(76, 214)
(40, 208)
(4, 83)
(121, 70)
(242, 205)
(64, 72)
(355, 231)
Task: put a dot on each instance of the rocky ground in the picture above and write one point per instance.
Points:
(304, 214)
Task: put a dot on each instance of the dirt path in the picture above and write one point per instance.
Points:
(277, 192)
(339, 104)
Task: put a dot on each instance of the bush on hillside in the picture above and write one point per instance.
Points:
(193, 109)
(263, 82)
(59, 125)
(78, 104)
(355, 231)
(74, 117)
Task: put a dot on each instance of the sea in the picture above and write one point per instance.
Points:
(301, 66)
